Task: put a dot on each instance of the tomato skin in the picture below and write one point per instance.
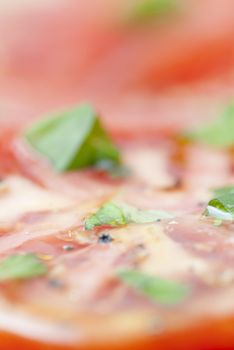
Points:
(204, 59)
(212, 335)
(8, 163)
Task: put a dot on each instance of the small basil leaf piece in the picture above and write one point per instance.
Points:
(221, 207)
(73, 139)
(109, 214)
(220, 191)
(20, 267)
(144, 11)
(117, 214)
(159, 290)
(218, 133)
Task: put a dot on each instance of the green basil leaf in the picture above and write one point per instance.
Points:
(72, 140)
(218, 133)
(117, 214)
(221, 207)
(220, 191)
(21, 266)
(144, 11)
(159, 290)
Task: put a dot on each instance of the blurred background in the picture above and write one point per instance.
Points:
(148, 66)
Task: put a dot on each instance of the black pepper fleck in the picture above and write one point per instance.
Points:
(68, 247)
(105, 238)
(55, 283)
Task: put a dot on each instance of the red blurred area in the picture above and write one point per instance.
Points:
(60, 52)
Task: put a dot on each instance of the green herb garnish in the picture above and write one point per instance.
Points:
(220, 191)
(218, 133)
(117, 214)
(72, 140)
(221, 207)
(144, 11)
(20, 267)
(159, 290)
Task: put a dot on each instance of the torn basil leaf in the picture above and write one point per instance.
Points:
(73, 139)
(221, 207)
(220, 191)
(144, 11)
(218, 133)
(159, 290)
(118, 213)
(21, 266)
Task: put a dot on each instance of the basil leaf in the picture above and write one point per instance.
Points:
(221, 207)
(218, 133)
(224, 190)
(147, 10)
(21, 266)
(117, 214)
(72, 140)
(159, 290)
